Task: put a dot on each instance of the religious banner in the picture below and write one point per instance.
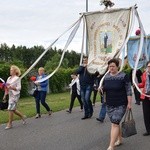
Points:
(107, 31)
(132, 52)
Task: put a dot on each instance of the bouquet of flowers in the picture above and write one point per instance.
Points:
(2, 84)
(107, 3)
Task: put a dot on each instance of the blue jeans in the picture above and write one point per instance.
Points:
(85, 96)
(41, 95)
(102, 113)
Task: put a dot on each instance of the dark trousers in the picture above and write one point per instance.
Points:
(74, 95)
(137, 95)
(94, 95)
(146, 113)
(40, 97)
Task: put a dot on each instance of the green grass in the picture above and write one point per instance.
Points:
(57, 102)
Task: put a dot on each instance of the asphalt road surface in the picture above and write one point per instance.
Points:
(63, 131)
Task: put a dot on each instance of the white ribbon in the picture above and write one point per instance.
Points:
(71, 36)
(123, 48)
(73, 82)
(38, 59)
(48, 49)
(83, 37)
(139, 53)
(2, 80)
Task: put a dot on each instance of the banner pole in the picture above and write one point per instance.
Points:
(86, 31)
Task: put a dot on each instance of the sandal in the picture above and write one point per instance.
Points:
(118, 143)
(110, 148)
(8, 127)
(24, 120)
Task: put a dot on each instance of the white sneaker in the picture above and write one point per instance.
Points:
(37, 116)
(50, 113)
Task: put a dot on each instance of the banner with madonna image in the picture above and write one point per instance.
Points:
(132, 52)
(107, 31)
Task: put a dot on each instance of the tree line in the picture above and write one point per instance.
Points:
(24, 57)
(28, 55)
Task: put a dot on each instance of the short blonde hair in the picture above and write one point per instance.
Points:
(17, 70)
(41, 68)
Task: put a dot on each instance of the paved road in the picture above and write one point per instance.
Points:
(64, 131)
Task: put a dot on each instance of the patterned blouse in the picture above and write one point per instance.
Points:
(117, 88)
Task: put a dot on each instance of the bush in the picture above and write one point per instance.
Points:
(127, 69)
(60, 80)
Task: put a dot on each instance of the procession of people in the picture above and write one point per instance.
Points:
(114, 87)
(115, 96)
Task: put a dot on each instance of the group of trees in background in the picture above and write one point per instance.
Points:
(28, 55)
(24, 57)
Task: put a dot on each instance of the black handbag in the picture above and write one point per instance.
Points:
(35, 93)
(3, 105)
(128, 125)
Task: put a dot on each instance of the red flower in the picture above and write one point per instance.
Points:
(33, 78)
(1, 85)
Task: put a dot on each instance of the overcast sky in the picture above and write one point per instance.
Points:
(40, 22)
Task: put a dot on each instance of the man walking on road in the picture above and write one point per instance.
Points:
(86, 85)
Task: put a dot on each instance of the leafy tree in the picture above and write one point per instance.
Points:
(73, 58)
(24, 57)
(5, 53)
(54, 62)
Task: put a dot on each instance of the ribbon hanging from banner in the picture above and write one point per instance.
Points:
(76, 24)
(71, 36)
(142, 35)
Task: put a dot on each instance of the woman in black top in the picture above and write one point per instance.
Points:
(117, 91)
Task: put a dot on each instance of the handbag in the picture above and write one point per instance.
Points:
(34, 92)
(128, 125)
(3, 105)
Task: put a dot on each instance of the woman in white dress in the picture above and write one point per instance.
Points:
(13, 87)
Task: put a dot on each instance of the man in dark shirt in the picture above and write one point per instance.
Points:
(86, 84)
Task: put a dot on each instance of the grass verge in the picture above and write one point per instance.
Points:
(56, 102)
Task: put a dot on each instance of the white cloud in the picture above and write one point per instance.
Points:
(40, 22)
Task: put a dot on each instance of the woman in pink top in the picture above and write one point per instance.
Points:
(13, 87)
